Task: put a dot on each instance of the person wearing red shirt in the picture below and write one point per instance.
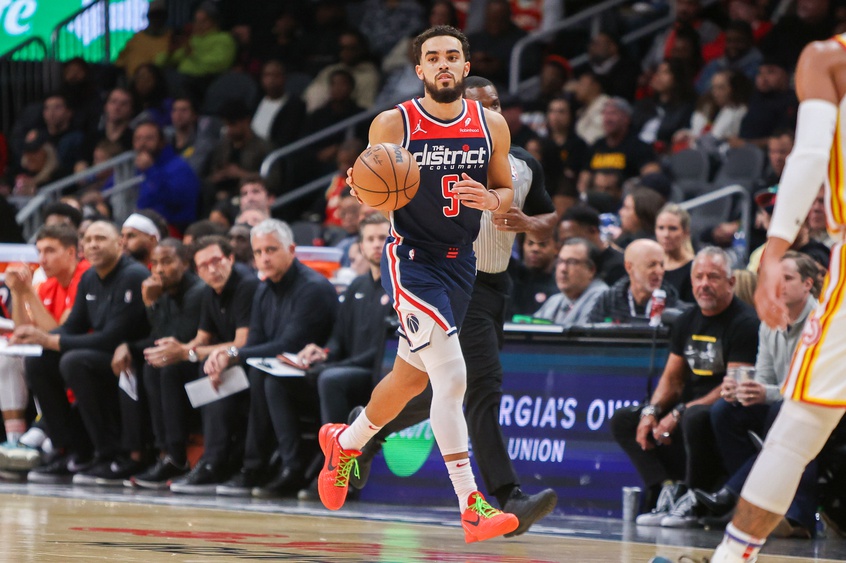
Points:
(45, 307)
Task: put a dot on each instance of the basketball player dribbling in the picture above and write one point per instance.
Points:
(428, 267)
(815, 389)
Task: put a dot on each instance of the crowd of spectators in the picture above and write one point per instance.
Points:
(173, 293)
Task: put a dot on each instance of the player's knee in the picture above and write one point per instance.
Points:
(802, 430)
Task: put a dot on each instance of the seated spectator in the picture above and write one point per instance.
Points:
(44, 307)
(512, 111)
(492, 45)
(688, 15)
(591, 98)
(562, 151)
(170, 186)
(114, 126)
(81, 94)
(200, 229)
(750, 406)
(58, 125)
(279, 116)
(386, 22)
(346, 234)
(672, 231)
(290, 310)
(657, 118)
(172, 296)
(352, 59)
(239, 239)
(58, 213)
(619, 149)
(637, 215)
(629, 300)
(253, 194)
(812, 21)
(224, 213)
(237, 156)
(817, 227)
(207, 52)
(744, 286)
(78, 355)
(139, 236)
(103, 180)
(338, 188)
(554, 75)
(765, 200)
(575, 276)
(147, 44)
(605, 192)
(669, 438)
(225, 314)
(149, 88)
(343, 370)
(583, 222)
(718, 114)
(740, 55)
(340, 106)
(772, 105)
(192, 138)
(616, 71)
(40, 165)
(752, 13)
(533, 278)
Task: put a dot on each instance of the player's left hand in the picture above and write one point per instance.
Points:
(768, 301)
(513, 220)
(473, 194)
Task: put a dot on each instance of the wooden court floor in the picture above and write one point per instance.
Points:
(47, 524)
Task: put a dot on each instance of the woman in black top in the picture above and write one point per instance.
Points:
(672, 231)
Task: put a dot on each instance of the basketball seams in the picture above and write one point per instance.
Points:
(369, 164)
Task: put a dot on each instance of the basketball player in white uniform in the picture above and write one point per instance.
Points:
(815, 389)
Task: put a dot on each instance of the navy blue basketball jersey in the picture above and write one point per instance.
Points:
(443, 151)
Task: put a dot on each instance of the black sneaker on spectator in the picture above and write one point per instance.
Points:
(202, 480)
(242, 483)
(159, 476)
(310, 492)
(286, 483)
(109, 473)
(60, 470)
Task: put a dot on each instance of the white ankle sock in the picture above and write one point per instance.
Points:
(737, 547)
(463, 481)
(358, 433)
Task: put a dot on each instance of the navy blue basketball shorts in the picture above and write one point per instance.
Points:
(429, 289)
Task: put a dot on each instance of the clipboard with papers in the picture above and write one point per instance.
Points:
(283, 365)
(201, 392)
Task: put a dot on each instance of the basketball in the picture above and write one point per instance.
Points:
(386, 176)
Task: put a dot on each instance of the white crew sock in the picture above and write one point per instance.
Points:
(737, 547)
(463, 481)
(358, 433)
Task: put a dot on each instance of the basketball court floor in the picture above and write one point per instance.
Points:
(63, 523)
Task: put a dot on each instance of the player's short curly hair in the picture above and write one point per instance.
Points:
(438, 31)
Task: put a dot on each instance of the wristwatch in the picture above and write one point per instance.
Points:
(649, 410)
(192, 356)
(678, 411)
(232, 352)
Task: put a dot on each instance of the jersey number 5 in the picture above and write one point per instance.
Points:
(447, 185)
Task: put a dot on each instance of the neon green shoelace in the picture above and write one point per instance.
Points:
(483, 508)
(346, 464)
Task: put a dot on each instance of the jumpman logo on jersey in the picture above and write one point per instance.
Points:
(419, 129)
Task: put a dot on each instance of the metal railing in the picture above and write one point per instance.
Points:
(86, 25)
(31, 216)
(592, 15)
(722, 193)
(25, 77)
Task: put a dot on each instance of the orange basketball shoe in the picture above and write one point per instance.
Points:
(481, 521)
(334, 479)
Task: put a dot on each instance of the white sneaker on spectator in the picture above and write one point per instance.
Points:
(34, 438)
(683, 514)
(666, 500)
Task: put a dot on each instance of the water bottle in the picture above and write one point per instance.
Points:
(659, 301)
(609, 226)
(738, 249)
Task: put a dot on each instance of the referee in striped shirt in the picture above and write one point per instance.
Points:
(481, 333)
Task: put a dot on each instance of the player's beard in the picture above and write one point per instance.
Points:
(445, 95)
